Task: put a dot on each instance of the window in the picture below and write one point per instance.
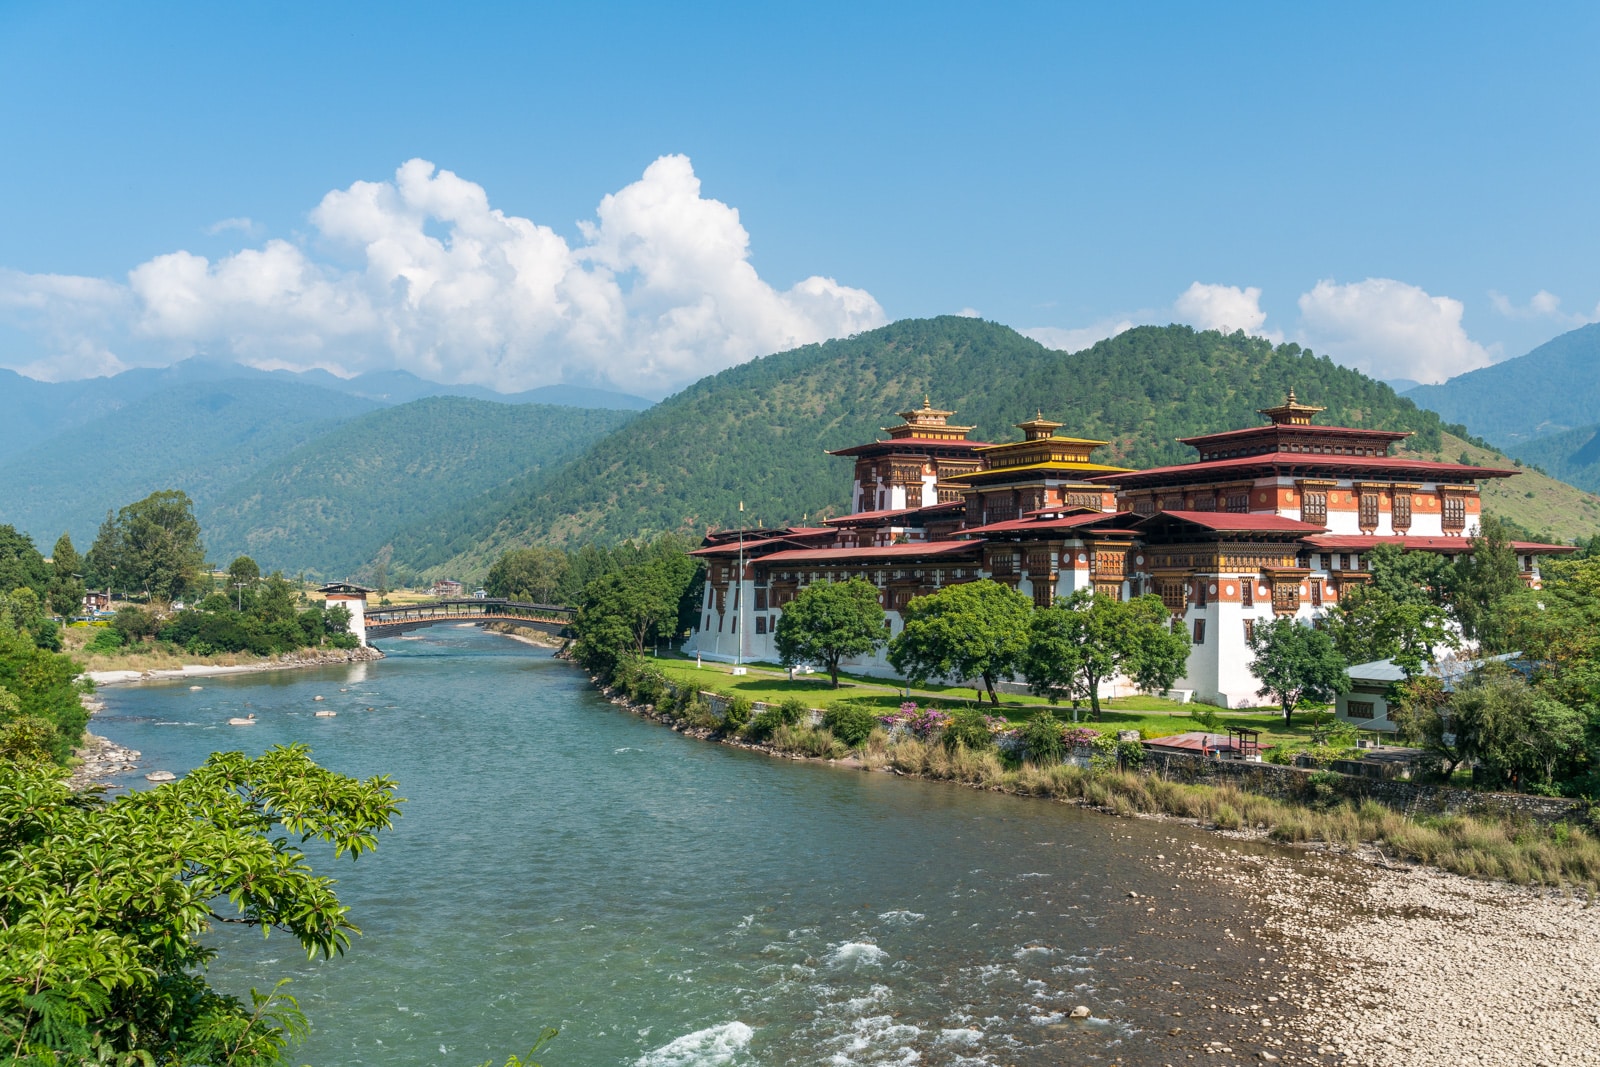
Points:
(1369, 510)
(1249, 630)
(1455, 513)
(761, 624)
(761, 600)
(1041, 595)
(1316, 594)
(1247, 591)
(1359, 709)
(1314, 507)
(1200, 594)
(1173, 595)
(1205, 503)
(1338, 561)
(1238, 503)
(1144, 506)
(1172, 503)
(1199, 631)
(1400, 510)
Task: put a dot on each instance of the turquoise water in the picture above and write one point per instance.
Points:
(669, 902)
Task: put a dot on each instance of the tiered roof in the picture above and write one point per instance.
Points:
(918, 429)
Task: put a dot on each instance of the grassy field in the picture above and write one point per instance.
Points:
(1154, 716)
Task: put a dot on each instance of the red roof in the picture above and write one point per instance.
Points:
(1274, 460)
(795, 534)
(1042, 525)
(1363, 542)
(1274, 429)
(890, 513)
(1245, 522)
(1194, 742)
(869, 554)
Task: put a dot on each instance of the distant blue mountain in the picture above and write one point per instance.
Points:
(31, 411)
(1552, 389)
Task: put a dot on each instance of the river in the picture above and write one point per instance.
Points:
(668, 902)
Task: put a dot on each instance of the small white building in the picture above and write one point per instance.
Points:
(1366, 706)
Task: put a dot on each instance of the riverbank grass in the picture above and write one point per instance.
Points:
(1152, 716)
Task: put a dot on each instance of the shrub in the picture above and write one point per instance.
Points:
(793, 711)
(1130, 754)
(850, 723)
(807, 741)
(1206, 716)
(1226, 817)
(1282, 755)
(968, 729)
(765, 724)
(738, 712)
(1041, 738)
(104, 642)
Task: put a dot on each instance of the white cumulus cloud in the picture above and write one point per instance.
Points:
(1390, 329)
(658, 292)
(1222, 307)
(1076, 340)
(1542, 305)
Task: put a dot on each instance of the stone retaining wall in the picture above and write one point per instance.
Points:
(1411, 798)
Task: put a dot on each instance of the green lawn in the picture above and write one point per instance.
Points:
(1155, 715)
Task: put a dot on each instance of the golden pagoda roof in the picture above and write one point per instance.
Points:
(1291, 412)
(928, 422)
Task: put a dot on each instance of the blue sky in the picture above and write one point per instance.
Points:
(1411, 188)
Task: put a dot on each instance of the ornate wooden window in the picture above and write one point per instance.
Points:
(1239, 503)
(1108, 589)
(1174, 593)
(1249, 630)
(1316, 594)
(1455, 512)
(1400, 510)
(1314, 506)
(1359, 709)
(1247, 592)
(1042, 592)
(1002, 563)
(1145, 505)
(1172, 503)
(1199, 631)
(1205, 503)
(1200, 593)
(1286, 596)
(1369, 509)
(761, 624)
(1082, 500)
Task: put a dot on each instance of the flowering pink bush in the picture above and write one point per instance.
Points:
(1079, 737)
(923, 723)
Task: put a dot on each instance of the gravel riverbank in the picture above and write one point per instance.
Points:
(322, 657)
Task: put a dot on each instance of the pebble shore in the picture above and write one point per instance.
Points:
(1417, 966)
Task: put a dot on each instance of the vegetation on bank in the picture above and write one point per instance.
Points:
(969, 748)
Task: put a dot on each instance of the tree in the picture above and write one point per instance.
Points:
(1495, 719)
(1480, 583)
(975, 629)
(831, 621)
(1076, 644)
(152, 544)
(104, 905)
(1296, 663)
(527, 574)
(624, 610)
(102, 566)
(21, 565)
(243, 574)
(66, 578)
(1369, 624)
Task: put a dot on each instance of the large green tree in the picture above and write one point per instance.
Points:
(624, 610)
(1492, 717)
(1369, 624)
(528, 574)
(831, 621)
(1481, 583)
(161, 544)
(1076, 644)
(971, 630)
(1296, 664)
(21, 565)
(105, 905)
(66, 578)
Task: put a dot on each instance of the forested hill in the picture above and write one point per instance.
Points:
(331, 505)
(198, 437)
(757, 432)
(1552, 389)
